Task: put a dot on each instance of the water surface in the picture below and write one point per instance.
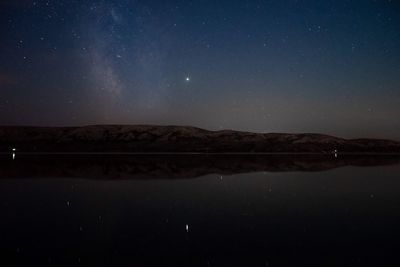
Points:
(199, 210)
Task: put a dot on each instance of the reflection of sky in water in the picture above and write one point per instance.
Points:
(284, 218)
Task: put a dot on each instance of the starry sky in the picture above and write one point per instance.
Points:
(329, 66)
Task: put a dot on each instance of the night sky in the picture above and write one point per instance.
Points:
(327, 66)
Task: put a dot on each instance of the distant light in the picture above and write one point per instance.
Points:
(14, 149)
(187, 228)
(188, 79)
(13, 156)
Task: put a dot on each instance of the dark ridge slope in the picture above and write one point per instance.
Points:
(147, 138)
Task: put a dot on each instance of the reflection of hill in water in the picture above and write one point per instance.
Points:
(114, 167)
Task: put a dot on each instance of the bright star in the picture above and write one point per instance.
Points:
(187, 79)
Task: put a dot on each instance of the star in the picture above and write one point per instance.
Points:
(188, 79)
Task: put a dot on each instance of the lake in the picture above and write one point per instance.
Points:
(199, 210)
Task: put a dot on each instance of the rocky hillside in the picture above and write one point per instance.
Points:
(147, 138)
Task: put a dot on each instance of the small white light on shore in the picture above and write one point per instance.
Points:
(14, 149)
(187, 228)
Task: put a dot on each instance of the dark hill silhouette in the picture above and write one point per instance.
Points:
(177, 139)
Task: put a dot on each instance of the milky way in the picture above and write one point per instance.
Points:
(274, 66)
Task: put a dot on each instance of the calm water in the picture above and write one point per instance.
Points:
(199, 211)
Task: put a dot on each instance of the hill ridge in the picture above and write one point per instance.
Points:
(172, 138)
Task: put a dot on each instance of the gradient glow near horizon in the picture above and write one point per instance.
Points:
(267, 66)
